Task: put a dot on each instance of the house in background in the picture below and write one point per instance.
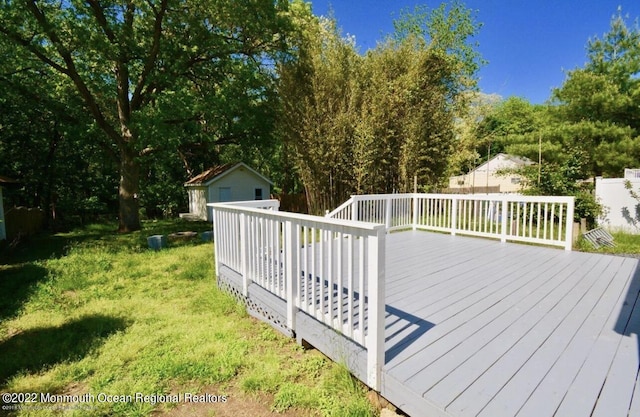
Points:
(486, 178)
(229, 182)
(621, 211)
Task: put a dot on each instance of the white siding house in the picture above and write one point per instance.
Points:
(486, 175)
(621, 210)
(229, 182)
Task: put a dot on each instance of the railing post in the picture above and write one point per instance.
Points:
(387, 209)
(568, 232)
(414, 218)
(292, 248)
(244, 241)
(376, 308)
(354, 209)
(503, 219)
(454, 214)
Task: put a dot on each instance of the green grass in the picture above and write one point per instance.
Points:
(93, 311)
(625, 244)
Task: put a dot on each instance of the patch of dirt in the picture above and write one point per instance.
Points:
(238, 404)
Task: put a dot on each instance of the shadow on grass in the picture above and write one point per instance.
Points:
(41, 247)
(17, 283)
(37, 349)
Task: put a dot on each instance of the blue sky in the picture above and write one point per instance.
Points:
(529, 44)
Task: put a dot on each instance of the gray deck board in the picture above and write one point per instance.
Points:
(483, 328)
(480, 328)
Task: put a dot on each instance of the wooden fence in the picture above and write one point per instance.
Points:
(23, 221)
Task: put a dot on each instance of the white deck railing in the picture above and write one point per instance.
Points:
(543, 220)
(331, 269)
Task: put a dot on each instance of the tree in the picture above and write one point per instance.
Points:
(319, 96)
(147, 70)
(600, 102)
(46, 141)
(372, 123)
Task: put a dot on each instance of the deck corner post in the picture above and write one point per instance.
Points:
(376, 306)
(216, 239)
(292, 248)
(454, 214)
(244, 241)
(568, 228)
(503, 219)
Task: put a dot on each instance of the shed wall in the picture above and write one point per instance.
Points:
(242, 184)
(198, 201)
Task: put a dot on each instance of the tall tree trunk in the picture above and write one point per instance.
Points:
(129, 219)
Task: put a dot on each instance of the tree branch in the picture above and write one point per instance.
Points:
(72, 72)
(102, 21)
(136, 99)
(34, 50)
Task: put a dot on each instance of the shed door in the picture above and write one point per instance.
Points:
(224, 194)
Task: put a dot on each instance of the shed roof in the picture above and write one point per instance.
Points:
(7, 181)
(219, 171)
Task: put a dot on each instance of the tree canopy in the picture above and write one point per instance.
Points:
(156, 75)
(374, 122)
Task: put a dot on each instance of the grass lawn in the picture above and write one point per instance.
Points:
(625, 244)
(97, 315)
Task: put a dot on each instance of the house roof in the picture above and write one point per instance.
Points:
(502, 161)
(215, 173)
(7, 181)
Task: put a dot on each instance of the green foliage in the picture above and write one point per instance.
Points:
(592, 117)
(564, 179)
(600, 101)
(150, 80)
(361, 124)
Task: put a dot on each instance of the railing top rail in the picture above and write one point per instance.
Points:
(361, 197)
(340, 207)
(369, 228)
(251, 203)
(497, 197)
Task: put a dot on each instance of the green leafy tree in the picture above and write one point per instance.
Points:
(319, 100)
(47, 142)
(149, 71)
(600, 101)
(372, 123)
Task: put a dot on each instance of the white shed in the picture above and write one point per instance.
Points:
(229, 182)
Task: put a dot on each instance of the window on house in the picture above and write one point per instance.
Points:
(515, 180)
(258, 194)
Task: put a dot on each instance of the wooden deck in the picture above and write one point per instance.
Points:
(476, 327)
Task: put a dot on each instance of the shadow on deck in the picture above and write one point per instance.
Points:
(480, 328)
